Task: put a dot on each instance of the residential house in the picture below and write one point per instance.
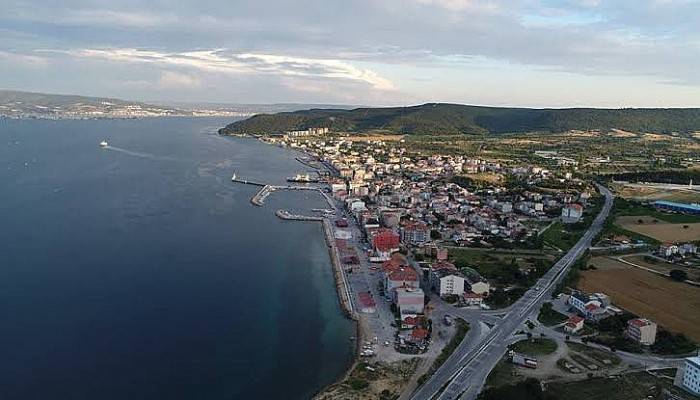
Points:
(642, 331)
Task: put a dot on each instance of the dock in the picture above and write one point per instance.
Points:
(283, 214)
(261, 195)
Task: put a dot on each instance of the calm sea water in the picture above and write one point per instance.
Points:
(141, 272)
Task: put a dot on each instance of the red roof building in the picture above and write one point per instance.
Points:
(385, 240)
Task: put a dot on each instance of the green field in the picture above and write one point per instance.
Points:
(535, 347)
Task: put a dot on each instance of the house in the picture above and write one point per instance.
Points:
(668, 250)
(477, 285)
(589, 306)
(409, 300)
(385, 241)
(642, 331)
(573, 324)
(472, 299)
(367, 304)
(571, 213)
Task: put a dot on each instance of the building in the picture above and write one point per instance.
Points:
(571, 213)
(574, 324)
(472, 299)
(415, 233)
(590, 307)
(477, 285)
(367, 304)
(409, 300)
(642, 331)
(447, 282)
(677, 207)
(385, 242)
(688, 376)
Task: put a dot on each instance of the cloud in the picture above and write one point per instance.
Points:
(23, 59)
(222, 61)
(177, 80)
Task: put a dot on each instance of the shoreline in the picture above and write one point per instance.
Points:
(343, 290)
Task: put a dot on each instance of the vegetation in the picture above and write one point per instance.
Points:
(548, 316)
(462, 329)
(633, 386)
(535, 347)
(454, 119)
(678, 275)
(671, 343)
(681, 177)
(529, 389)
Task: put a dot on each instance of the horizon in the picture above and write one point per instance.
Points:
(500, 53)
(176, 103)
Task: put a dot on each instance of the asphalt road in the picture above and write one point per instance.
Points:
(464, 373)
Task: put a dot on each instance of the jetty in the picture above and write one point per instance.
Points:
(261, 195)
(235, 178)
(283, 214)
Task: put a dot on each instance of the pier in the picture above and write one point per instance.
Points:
(283, 214)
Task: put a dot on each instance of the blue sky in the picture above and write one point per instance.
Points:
(539, 53)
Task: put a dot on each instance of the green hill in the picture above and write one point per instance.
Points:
(453, 119)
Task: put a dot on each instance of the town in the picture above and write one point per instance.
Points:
(433, 248)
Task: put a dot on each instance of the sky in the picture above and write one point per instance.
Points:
(529, 53)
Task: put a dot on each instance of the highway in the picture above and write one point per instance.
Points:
(465, 371)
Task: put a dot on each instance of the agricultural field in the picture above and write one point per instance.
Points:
(633, 386)
(673, 305)
(642, 192)
(660, 230)
(662, 266)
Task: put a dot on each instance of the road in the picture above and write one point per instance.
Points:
(464, 373)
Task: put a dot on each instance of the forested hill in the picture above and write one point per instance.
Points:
(446, 119)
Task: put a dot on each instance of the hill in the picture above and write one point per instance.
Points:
(452, 119)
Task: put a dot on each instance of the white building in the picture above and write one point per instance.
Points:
(688, 377)
(409, 300)
(642, 331)
(447, 282)
(571, 213)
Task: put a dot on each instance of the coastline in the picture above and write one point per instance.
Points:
(342, 288)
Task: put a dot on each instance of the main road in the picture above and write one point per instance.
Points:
(463, 374)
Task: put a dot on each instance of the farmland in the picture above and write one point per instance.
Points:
(659, 229)
(673, 305)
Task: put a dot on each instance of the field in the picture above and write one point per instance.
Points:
(634, 386)
(673, 305)
(650, 193)
(663, 267)
(660, 230)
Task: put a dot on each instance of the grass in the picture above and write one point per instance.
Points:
(502, 374)
(535, 347)
(563, 236)
(462, 329)
(549, 316)
(595, 354)
(633, 386)
(627, 207)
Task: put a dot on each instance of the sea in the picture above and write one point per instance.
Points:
(140, 271)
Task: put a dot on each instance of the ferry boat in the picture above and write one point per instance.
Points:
(104, 143)
(302, 178)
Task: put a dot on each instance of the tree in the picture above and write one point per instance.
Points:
(678, 275)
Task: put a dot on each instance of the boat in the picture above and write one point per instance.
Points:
(104, 143)
(305, 178)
